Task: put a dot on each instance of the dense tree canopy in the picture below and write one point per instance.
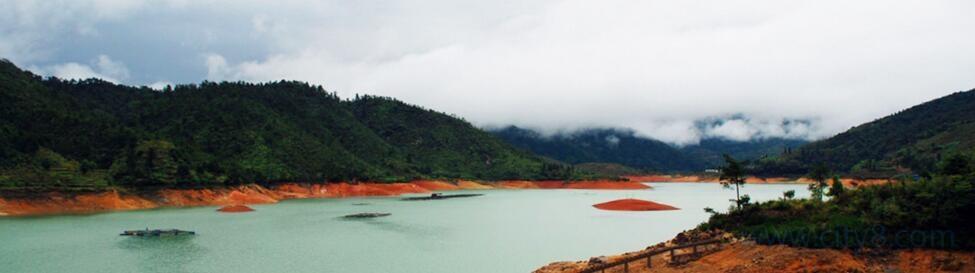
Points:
(89, 133)
(913, 140)
(912, 213)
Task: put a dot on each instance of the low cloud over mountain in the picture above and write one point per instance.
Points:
(795, 69)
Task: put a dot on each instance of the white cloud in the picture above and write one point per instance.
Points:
(107, 70)
(217, 69)
(733, 129)
(659, 67)
(112, 68)
(160, 85)
(742, 128)
(33, 30)
(612, 140)
(75, 71)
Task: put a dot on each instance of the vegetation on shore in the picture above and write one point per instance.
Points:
(92, 134)
(928, 212)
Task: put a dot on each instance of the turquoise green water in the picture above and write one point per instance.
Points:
(502, 231)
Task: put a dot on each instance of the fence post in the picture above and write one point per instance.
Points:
(626, 267)
(649, 264)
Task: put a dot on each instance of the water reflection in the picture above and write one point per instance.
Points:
(177, 253)
(414, 230)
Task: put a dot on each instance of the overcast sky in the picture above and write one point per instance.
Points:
(668, 69)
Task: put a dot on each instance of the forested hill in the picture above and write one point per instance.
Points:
(916, 140)
(92, 133)
(622, 146)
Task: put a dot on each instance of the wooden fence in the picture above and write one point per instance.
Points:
(674, 257)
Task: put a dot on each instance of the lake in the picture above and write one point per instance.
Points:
(502, 231)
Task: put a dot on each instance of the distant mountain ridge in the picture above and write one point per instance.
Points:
(623, 146)
(914, 140)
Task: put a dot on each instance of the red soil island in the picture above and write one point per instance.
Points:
(235, 208)
(633, 205)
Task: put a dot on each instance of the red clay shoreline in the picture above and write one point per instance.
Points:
(114, 200)
(710, 178)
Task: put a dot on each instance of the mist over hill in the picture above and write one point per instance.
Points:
(914, 140)
(623, 146)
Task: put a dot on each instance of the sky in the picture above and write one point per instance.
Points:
(676, 71)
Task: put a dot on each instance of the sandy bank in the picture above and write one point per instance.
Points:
(471, 185)
(633, 205)
(706, 179)
(588, 185)
(51, 203)
(848, 182)
(436, 185)
(606, 185)
(62, 203)
(852, 182)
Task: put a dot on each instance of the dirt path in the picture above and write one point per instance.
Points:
(747, 257)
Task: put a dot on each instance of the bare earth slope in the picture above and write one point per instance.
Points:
(748, 257)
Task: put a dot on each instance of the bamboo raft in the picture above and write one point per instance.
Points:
(156, 232)
(438, 196)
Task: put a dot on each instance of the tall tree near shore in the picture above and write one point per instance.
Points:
(819, 173)
(836, 189)
(733, 173)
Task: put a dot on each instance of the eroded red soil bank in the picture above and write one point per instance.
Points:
(633, 205)
(747, 257)
(59, 203)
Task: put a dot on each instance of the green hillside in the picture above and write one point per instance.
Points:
(91, 133)
(914, 140)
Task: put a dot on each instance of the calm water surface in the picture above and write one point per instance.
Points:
(502, 231)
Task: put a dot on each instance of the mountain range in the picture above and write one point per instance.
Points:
(70, 134)
(915, 140)
(623, 146)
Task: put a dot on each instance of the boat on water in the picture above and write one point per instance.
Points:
(156, 232)
(439, 196)
(367, 215)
